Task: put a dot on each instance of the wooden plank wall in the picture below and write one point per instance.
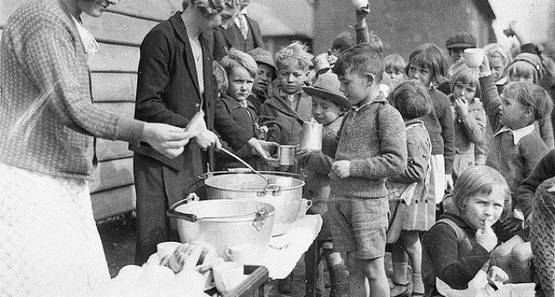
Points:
(119, 32)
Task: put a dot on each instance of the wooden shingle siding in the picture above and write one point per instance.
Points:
(114, 201)
(119, 32)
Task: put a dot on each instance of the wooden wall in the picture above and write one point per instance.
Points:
(119, 32)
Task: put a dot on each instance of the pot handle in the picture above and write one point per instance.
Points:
(260, 218)
(173, 213)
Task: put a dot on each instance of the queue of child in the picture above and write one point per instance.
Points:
(397, 136)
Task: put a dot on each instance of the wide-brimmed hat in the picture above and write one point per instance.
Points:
(261, 55)
(461, 40)
(327, 87)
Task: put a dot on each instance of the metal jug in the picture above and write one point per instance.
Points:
(311, 139)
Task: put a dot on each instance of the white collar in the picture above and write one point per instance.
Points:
(518, 134)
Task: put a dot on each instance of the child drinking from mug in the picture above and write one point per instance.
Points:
(371, 146)
(410, 207)
(460, 243)
(469, 122)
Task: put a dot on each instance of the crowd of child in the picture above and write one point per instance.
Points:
(436, 159)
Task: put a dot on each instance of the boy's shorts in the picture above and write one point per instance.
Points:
(359, 225)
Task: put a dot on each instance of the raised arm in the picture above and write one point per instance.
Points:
(490, 96)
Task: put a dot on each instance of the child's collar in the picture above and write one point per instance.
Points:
(378, 99)
(518, 134)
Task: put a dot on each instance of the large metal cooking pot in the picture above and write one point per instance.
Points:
(224, 223)
(284, 192)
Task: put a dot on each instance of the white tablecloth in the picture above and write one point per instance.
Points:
(285, 250)
(280, 262)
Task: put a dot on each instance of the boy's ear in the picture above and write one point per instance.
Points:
(371, 78)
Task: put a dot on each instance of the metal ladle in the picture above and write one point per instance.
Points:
(246, 164)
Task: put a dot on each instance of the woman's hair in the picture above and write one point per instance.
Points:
(220, 77)
(530, 95)
(497, 50)
(237, 58)
(478, 180)
(294, 55)
(432, 57)
(395, 61)
(412, 99)
(207, 7)
(468, 76)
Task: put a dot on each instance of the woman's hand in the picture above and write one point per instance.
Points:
(203, 137)
(166, 139)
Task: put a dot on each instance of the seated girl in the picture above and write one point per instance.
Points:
(461, 241)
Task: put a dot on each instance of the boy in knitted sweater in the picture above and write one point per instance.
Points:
(370, 147)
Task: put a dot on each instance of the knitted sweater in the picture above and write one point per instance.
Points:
(514, 162)
(43, 66)
(439, 124)
(373, 139)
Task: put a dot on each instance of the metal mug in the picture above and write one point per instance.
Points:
(286, 154)
(311, 139)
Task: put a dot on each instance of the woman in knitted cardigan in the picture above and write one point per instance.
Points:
(48, 238)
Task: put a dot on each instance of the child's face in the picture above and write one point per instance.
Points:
(512, 113)
(521, 72)
(263, 78)
(465, 91)
(292, 78)
(422, 74)
(356, 87)
(497, 67)
(240, 83)
(324, 111)
(482, 208)
(394, 74)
